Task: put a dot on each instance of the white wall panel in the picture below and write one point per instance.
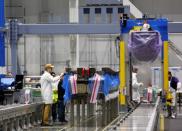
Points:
(33, 55)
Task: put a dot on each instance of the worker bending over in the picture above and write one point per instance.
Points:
(174, 85)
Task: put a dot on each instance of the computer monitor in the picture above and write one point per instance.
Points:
(7, 81)
(19, 81)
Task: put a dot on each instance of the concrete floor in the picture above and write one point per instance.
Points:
(138, 120)
(174, 124)
(91, 124)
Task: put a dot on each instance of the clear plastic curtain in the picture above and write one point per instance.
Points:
(145, 46)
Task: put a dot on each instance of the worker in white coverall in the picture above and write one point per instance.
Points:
(146, 26)
(135, 86)
(46, 82)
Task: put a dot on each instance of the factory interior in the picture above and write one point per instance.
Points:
(90, 65)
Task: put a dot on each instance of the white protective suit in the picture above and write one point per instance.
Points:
(135, 88)
(46, 82)
(145, 27)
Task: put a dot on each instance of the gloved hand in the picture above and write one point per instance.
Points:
(141, 84)
(61, 75)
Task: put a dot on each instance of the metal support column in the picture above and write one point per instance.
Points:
(26, 121)
(115, 107)
(40, 109)
(122, 73)
(34, 119)
(104, 15)
(23, 122)
(5, 126)
(130, 77)
(2, 41)
(91, 109)
(104, 121)
(108, 111)
(78, 112)
(11, 125)
(88, 108)
(74, 18)
(112, 111)
(115, 15)
(165, 66)
(92, 16)
(72, 113)
(77, 51)
(13, 44)
(17, 124)
(83, 109)
(29, 121)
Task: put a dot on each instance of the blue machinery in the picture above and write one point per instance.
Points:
(160, 25)
(137, 119)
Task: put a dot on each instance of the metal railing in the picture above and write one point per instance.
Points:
(16, 117)
(152, 123)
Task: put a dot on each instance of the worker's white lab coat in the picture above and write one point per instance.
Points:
(46, 82)
(135, 88)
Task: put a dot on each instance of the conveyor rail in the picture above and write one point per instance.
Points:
(143, 118)
(20, 116)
